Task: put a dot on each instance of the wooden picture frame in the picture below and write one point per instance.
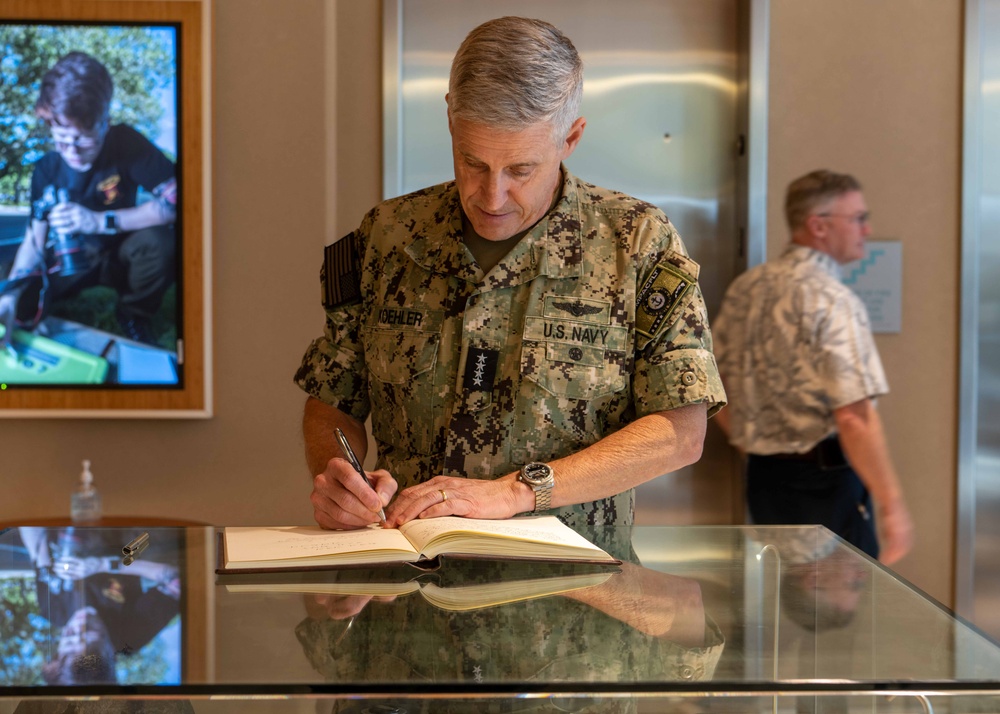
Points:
(154, 375)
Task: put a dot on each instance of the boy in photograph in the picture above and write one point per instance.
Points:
(84, 205)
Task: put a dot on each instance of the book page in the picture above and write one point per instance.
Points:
(534, 536)
(309, 545)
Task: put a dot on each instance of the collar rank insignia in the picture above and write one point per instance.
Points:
(480, 369)
(663, 291)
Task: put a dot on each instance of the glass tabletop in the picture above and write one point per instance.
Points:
(707, 610)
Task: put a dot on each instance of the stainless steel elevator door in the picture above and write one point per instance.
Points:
(986, 389)
(661, 102)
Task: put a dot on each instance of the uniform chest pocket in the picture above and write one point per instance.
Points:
(401, 384)
(572, 371)
(399, 356)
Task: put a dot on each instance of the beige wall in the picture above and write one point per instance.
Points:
(873, 88)
(866, 86)
(245, 465)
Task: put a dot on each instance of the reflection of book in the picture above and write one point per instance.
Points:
(305, 547)
(460, 597)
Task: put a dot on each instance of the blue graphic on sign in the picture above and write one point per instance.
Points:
(863, 266)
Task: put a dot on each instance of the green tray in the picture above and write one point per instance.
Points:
(43, 361)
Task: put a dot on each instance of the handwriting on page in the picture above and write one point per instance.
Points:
(330, 543)
(266, 543)
(543, 529)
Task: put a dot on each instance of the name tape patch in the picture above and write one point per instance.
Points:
(400, 317)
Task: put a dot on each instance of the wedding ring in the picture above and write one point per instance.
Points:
(444, 495)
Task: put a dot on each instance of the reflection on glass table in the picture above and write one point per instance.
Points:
(76, 615)
(693, 619)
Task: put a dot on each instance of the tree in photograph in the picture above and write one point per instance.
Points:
(139, 60)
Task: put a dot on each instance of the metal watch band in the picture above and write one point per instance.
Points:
(541, 485)
(543, 497)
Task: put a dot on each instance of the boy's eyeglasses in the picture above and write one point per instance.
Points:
(82, 141)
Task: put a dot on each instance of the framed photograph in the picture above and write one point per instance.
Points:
(105, 208)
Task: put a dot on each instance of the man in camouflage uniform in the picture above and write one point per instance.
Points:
(515, 315)
(797, 355)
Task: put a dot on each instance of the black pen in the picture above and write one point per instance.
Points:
(345, 446)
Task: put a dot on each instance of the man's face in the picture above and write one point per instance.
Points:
(78, 147)
(507, 180)
(843, 227)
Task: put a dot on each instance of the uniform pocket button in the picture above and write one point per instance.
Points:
(688, 378)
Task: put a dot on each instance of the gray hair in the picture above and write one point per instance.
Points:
(513, 72)
(808, 192)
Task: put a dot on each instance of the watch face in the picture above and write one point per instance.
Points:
(537, 473)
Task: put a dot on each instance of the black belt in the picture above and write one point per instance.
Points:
(827, 453)
(811, 455)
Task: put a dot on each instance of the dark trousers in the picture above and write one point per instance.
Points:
(789, 491)
(139, 265)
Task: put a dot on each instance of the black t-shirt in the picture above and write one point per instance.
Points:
(127, 161)
(132, 613)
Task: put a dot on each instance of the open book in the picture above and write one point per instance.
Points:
(308, 547)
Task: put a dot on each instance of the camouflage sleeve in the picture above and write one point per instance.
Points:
(692, 663)
(674, 363)
(333, 368)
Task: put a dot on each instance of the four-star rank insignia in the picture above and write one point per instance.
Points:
(663, 291)
(480, 369)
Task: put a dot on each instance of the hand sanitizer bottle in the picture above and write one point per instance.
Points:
(85, 503)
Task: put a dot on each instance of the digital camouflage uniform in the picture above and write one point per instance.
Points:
(593, 319)
(552, 639)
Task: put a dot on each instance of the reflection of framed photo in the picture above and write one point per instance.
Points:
(104, 196)
(145, 622)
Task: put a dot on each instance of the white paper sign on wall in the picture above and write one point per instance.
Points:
(878, 280)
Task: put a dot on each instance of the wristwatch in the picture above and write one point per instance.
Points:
(110, 222)
(540, 478)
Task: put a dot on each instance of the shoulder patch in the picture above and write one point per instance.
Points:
(341, 273)
(663, 291)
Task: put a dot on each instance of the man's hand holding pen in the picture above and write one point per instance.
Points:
(345, 498)
(345, 447)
